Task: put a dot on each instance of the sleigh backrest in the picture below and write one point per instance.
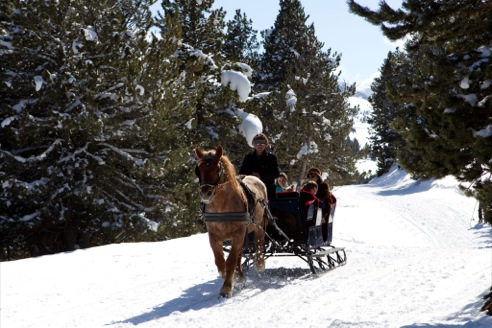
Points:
(297, 214)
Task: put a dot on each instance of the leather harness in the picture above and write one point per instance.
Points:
(234, 216)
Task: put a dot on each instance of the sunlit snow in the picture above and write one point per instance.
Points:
(90, 34)
(416, 257)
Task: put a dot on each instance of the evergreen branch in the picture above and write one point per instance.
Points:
(136, 161)
(38, 158)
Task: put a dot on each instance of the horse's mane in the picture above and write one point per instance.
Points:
(230, 173)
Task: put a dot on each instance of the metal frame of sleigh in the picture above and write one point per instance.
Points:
(295, 229)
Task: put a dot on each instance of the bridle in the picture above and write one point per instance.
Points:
(207, 161)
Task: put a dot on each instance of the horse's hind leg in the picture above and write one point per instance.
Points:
(239, 267)
(259, 250)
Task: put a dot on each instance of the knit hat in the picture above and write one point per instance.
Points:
(314, 170)
(260, 136)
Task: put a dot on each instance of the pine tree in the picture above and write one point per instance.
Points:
(201, 27)
(384, 139)
(209, 108)
(447, 87)
(241, 44)
(282, 44)
(202, 62)
(216, 108)
(82, 112)
(308, 115)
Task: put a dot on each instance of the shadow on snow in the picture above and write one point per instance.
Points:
(484, 233)
(206, 295)
(471, 308)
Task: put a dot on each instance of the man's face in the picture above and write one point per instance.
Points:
(260, 146)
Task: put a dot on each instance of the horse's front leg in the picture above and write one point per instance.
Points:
(231, 265)
(217, 248)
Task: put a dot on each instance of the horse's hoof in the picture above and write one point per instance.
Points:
(238, 278)
(260, 265)
(225, 294)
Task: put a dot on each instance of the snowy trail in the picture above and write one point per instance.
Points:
(409, 213)
(414, 259)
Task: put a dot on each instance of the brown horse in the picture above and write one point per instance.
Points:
(226, 213)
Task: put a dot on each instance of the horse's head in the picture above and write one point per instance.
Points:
(209, 170)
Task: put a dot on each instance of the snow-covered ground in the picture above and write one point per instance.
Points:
(416, 258)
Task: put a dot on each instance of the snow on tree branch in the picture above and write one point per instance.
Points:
(237, 81)
(38, 158)
(137, 161)
(291, 100)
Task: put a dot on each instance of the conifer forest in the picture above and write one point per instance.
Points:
(102, 104)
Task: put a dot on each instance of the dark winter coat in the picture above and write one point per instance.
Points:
(266, 166)
(324, 195)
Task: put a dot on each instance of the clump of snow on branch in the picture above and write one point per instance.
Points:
(484, 133)
(8, 120)
(152, 225)
(37, 158)
(305, 150)
(471, 99)
(38, 81)
(236, 81)
(250, 125)
(291, 100)
(189, 124)
(245, 68)
(90, 34)
(465, 83)
(140, 89)
(304, 80)
(449, 110)
(260, 95)
(202, 56)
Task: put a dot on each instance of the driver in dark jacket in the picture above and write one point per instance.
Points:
(262, 164)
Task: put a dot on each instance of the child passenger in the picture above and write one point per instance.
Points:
(311, 188)
(282, 182)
